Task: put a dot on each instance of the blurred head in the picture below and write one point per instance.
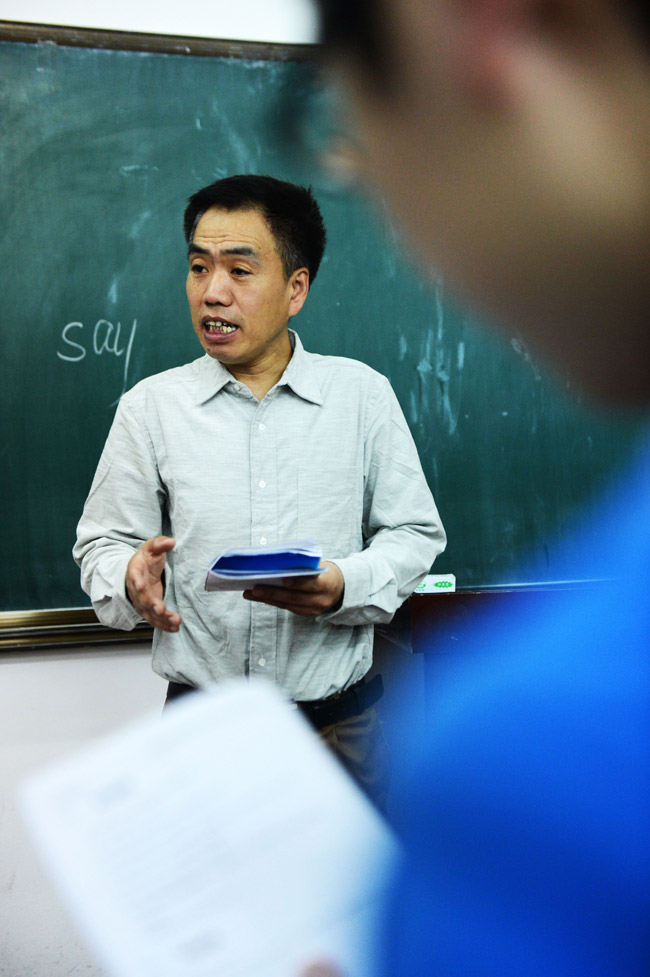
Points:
(291, 213)
(512, 139)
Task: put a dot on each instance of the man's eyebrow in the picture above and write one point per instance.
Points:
(196, 249)
(242, 250)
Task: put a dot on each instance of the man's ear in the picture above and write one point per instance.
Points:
(299, 283)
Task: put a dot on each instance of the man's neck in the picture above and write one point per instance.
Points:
(260, 379)
(262, 375)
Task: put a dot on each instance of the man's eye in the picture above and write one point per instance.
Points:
(197, 269)
(240, 272)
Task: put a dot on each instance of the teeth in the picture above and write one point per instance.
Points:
(219, 327)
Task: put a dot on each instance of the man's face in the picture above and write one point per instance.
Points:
(240, 300)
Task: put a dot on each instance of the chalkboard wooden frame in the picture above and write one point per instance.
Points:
(74, 626)
(32, 630)
(158, 43)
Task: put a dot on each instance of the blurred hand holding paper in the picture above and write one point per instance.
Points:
(242, 568)
(221, 840)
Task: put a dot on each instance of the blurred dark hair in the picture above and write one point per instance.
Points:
(354, 27)
(291, 212)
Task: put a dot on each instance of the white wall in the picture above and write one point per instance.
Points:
(51, 703)
(279, 21)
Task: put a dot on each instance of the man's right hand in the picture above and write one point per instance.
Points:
(144, 583)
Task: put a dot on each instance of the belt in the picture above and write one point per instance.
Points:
(321, 712)
(343, 705)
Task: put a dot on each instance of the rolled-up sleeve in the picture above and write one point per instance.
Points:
(124, 508)
(402, 530)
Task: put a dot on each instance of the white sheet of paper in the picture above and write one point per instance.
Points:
(221, 840)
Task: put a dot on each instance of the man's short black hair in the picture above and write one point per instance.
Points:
(291, 212)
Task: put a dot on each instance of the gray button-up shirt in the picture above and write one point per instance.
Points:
(326, 453)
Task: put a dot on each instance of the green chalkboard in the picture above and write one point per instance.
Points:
(100, 148)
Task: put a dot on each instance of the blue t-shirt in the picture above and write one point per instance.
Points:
(524, 799)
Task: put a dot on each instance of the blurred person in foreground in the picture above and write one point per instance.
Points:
(512, 139)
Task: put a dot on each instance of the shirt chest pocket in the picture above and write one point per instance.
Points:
(330, 508)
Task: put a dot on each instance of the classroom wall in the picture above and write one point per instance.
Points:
(277, 21)
(53, 702)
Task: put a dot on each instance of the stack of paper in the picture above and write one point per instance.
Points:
(223, 840)
(241, 569)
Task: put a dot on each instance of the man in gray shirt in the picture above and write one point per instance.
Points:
(259, 442)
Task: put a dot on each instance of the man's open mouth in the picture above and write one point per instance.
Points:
(218, 327)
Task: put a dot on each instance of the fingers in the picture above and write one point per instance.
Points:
(161, 618)
(156, 613)
(307, 596)
(159, 544)
(158, 616)
(309, 605)
(144, 584)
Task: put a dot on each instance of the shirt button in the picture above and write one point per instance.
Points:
(262, 540)
(262, 483)
(262, 427)
(262, 662)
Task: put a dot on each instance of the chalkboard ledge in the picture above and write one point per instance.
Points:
(72, 626)
(79, 625)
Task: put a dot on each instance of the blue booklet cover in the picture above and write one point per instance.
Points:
(242, 568)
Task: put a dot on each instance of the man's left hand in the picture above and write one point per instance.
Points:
(309, 596)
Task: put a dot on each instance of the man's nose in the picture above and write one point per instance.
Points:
(217, 291)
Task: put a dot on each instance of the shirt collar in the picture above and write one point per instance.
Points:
(213, 376)
(299, 375)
